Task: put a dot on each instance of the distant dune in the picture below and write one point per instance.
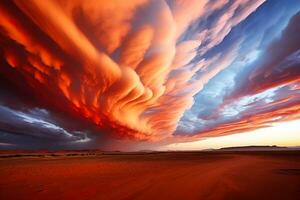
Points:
(97, 152)
(256, 148)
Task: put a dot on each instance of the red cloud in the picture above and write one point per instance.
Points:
(113, 62)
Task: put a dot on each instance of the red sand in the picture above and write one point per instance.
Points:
(153, 176)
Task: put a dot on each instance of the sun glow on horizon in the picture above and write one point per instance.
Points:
(280, 134)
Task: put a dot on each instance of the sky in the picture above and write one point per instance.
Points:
(149, 74)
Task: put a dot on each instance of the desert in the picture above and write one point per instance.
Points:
(151, 175)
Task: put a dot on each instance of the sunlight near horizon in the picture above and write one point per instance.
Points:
(280, 134)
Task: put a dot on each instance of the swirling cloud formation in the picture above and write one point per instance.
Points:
(150, 70)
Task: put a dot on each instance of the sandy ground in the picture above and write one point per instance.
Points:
(182, 176)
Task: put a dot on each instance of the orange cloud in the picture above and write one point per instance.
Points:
(115, 63)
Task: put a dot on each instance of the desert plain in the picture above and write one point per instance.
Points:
(151, 175)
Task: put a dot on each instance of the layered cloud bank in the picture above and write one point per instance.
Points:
(145, 70)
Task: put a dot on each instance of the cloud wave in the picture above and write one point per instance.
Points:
(137, 69)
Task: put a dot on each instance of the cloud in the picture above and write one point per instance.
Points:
(35, 125)
(131, 70)
(266, 91)
(280, 63)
